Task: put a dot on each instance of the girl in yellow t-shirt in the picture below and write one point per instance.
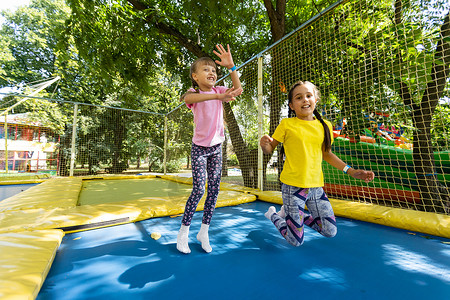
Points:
(307, 141)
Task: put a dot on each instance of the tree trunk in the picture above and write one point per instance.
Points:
(225, 157)
(249, 167)
(435, 197)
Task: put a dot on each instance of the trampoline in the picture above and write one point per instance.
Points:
(250, 260)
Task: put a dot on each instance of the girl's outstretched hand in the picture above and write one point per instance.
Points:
(367, 176)
(266, 144)
(265, 140)
(225, 56)
(231, 94)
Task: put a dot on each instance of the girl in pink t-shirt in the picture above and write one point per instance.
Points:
(205, 101)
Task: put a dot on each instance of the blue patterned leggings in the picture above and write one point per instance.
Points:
(321, 217)
(205, 160)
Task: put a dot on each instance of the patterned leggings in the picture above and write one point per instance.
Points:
(205, 160)
(321, 217)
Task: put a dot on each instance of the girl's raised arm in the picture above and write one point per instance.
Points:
(226, 60)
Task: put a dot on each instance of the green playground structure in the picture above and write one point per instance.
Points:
(393, 167)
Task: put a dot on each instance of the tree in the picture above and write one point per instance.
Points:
(36, 45)
(185, 32)
(29, 37)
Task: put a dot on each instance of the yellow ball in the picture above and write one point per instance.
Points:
(155, 235)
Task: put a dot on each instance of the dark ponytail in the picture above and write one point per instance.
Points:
(327, 135)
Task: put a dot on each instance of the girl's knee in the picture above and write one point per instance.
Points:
(199, 189)
(330, 231)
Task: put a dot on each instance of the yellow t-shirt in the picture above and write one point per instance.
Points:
(303, 147)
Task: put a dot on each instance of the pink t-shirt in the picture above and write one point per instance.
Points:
(208, 119)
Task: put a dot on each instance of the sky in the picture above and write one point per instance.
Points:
(11, 5)
(8, 4)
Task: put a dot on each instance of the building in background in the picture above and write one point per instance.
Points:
(31, 147)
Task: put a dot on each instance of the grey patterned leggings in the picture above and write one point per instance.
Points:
(205, 161)
(321, 217)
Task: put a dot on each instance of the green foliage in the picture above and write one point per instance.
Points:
(172, 166)
(440, 128)
(233, 161)
(48, 114)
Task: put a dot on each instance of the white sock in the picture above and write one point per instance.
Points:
(203, 237)
(182, 240)
(282, 213)
(270, 212)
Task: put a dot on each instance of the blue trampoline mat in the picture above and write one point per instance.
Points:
(250, 260)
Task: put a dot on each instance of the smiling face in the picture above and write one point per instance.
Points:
(205, 75)
(304, 101)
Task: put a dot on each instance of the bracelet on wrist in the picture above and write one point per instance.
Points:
(345, 170)
(232, 69)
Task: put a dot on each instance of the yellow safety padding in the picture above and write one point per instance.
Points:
(29, 181)
(31, 219)
(110, 213)
(270, 196)
(53, 193)
(234, 187)
(25, 260)
(224, 186)
(115, 176)
(424, 222)
(185, 180)
(52, 205)
(23, 178)
(173, 206)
